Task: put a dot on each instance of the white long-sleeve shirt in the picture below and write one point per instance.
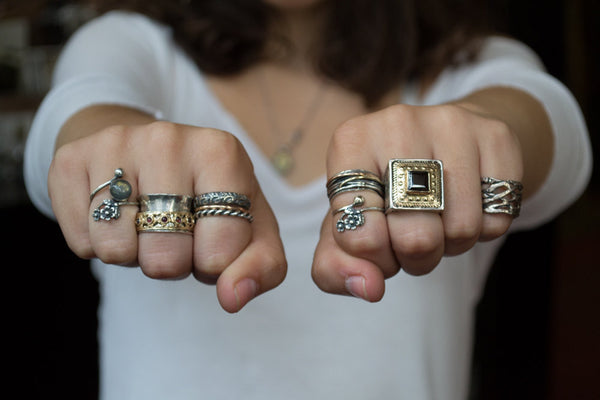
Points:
(171, 340)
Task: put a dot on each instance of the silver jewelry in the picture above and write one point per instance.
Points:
(222, 199)
(501, 196)
(414, 184)
(120, 190)
(220, 210)
(283, 158)
(164, 212)
(353, 215)
(353, 180)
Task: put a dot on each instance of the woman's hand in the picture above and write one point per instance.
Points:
(470, 142)
(243, 258)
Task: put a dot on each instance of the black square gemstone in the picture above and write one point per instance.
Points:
(418, 181)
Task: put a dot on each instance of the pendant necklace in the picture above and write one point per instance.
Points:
(283, 158)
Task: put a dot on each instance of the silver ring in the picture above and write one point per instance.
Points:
(222, 199)
(120, 190)
(501, 196)
(228, 211)
(353, 215)
(165, 202)
(353, 180)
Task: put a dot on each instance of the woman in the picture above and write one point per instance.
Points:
(307, 90)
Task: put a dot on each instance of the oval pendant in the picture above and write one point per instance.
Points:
(283, 161)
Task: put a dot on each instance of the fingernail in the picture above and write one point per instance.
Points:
(357, 286)
(245, 290)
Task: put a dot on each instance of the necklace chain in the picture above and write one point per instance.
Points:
(282, 159)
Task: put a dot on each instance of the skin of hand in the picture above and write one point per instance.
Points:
(243, 259)
(498, 132)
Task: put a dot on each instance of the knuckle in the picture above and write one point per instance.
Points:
(462, 231)
(417, 243)
(495, 226)
(113, 251)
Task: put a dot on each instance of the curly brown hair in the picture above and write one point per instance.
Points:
(367, 46)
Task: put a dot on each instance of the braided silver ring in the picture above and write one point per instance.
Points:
(501, 196)
(219, 210)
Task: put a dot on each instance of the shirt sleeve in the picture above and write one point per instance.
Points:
(509, 63)
(119, 58)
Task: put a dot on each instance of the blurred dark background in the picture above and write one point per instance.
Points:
(538, 325)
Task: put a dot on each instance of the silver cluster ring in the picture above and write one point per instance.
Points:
(120, 191)
(353, 217)
(353, 180)
(501, 196)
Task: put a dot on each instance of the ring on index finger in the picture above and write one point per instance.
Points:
(353, 180)
(120, 190)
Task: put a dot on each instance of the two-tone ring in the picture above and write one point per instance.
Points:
(165, 212)
(229, 204)
(120, 191)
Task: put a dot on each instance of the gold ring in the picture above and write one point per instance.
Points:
(165, 221)
(414, 184)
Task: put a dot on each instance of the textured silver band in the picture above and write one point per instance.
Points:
(222, 199)
(501, 196)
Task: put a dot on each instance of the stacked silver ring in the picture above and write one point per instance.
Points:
(352, 180)
(164, 212)
(230, 204)
(349, 181)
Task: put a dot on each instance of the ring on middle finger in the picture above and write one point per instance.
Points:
(164, 212)
(414, 184)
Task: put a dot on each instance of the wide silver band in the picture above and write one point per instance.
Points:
(223, 199)
(501, 196)
(353, 217)
(165, 202)
(354, 180)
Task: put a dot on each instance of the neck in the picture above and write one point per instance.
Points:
(299, 28)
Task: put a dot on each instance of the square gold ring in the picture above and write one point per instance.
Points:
(414, 184)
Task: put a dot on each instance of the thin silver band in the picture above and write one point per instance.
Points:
(223, 199)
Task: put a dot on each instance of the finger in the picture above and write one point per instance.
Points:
(462, 217)
(114, 240)
(371, 240)
(223, 166)
(68, 186)
(260, 267)
(335, 271)
(163, 168)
